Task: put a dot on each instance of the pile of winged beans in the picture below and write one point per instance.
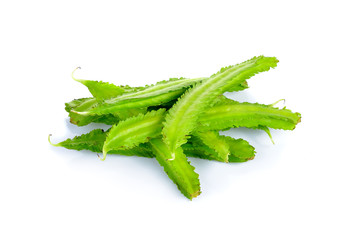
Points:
(175, 119)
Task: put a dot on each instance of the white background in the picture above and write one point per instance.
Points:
(295, 189)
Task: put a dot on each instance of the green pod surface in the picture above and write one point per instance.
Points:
(182, 118)
(83, 105)
(239, 150)
(101, 90)
(180, 171)
(94, 141)
(215, 142)
(133, 131)
(104, 90)
(232, 114)
(157, 94)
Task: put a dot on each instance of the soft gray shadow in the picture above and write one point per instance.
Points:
(78, 130)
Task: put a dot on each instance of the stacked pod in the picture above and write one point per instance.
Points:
(175, 119)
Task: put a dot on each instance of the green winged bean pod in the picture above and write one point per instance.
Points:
(231, 114)
(157, 94)
(179, 170)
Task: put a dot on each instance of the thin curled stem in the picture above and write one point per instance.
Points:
(49, 140)
(72, 75)
(273, 104)
(104, 157)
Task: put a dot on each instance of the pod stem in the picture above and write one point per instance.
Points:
(273, 104)
(104, 156)
(49, 140)
(72, 75)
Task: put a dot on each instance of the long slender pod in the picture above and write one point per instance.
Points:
(157, 94)
(114, 105)
(231, 114)
(133, 131)
(182, 117)
(179, 171)
(78, 109)
(129, 104)
(160, 93)
(105, 90)
(94, 141)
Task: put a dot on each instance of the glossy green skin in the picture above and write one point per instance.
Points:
(224, 115)
(94, 141)
(133, 131)
(102, 90)
(179, 170)
(182, 118)
(211, 121)
(231, 114)
(128, 108)
(215, 142)
(85, 104)
(191, 117)
(157, 94)
(239, 149)
(154, 95)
